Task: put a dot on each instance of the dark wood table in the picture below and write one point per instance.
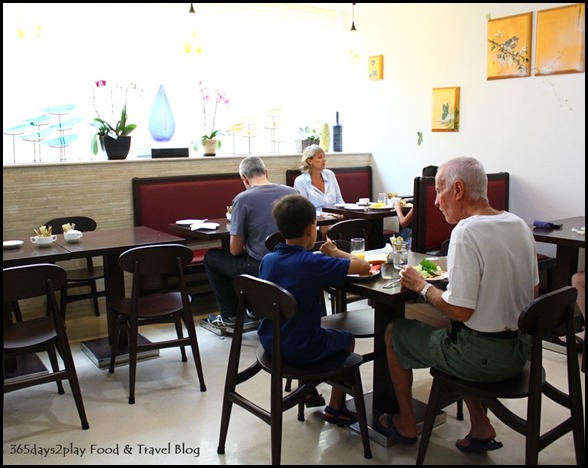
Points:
(388, 305)
(223, 232)
(375, 217)
(568, 244)
(108, 243)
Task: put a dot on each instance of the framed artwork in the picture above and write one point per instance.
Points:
(376, 67)
(561, 40)
(509, 46)
(445, 109)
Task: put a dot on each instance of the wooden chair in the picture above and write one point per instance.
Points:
(81, 277)
(164, 306)
(539, 319)
(44, 334)
(268, 300)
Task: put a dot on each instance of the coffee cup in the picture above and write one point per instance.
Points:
(72, 235)
(363, 201)
(44, 241)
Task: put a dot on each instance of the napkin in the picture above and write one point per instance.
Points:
(546, 225)
(204, 226)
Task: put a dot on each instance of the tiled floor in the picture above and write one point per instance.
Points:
(173, 423)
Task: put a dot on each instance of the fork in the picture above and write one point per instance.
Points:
(391, 283)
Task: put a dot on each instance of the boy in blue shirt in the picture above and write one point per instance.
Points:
(304, 274)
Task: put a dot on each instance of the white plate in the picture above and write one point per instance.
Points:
(372, 274)
(441, 277)
(353, 206)
(12, 244)
(340, 205)
(188, 222)
(381, 207)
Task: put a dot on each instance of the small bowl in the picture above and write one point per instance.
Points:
(43, 241)
(228, 216)
(72, 236)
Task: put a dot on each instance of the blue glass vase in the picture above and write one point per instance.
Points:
(161, 120)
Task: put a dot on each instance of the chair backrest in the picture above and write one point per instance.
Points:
(429, 228)
(266, 300)
(273, 240)
(549, 312)
(156, 262)
(348, 229)
(83, 223)
(26, 282)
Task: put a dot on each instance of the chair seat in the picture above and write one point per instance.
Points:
(29, 333)
(151, 307)
(325, 368)
(515, 387)
(85, 274)
(359, 322)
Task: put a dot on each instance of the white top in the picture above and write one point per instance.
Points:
(332, 194)
(492, 268)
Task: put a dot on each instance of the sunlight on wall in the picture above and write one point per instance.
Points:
(264, 56)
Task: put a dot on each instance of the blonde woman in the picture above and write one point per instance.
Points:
(318, 184)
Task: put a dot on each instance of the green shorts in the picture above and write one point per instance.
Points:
(465, 354)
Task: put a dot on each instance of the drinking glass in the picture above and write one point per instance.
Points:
(387, 269)
(382, 198)
(400, 255)
(358, 247)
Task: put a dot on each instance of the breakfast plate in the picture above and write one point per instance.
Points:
(353, 206)
(12, 244)
(189, 222)
(377, 207)
(340, 205)
(441, 277)
(371, 275)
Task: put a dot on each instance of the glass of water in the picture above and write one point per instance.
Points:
(400, 255)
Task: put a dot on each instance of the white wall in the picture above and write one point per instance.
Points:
(531, 127)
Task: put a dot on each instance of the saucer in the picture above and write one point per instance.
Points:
(12, 244)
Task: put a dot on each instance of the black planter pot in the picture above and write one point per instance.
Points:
(116, 148)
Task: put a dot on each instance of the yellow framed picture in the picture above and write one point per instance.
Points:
(445, 109)
(561, 40)
(509, 46)
(376, 67)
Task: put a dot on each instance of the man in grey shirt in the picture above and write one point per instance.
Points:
(251, 223)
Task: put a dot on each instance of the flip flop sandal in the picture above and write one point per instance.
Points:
(314, 399)
(391, 430)
(342, 417)
(478, 445)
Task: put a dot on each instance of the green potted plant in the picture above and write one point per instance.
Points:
(308, 136)
(209, 141)
(114, 139)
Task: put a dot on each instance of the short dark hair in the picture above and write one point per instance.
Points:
(293, 214)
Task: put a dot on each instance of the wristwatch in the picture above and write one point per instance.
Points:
(423, 292)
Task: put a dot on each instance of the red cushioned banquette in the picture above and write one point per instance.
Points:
(354, 182)
(159, 201)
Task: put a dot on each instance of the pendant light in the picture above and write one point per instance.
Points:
(192, 8)
(353, 18)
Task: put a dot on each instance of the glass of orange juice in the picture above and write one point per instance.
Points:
(358, 247)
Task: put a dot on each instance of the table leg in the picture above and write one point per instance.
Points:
(376, 235)
(566, 264)
(98, 350)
